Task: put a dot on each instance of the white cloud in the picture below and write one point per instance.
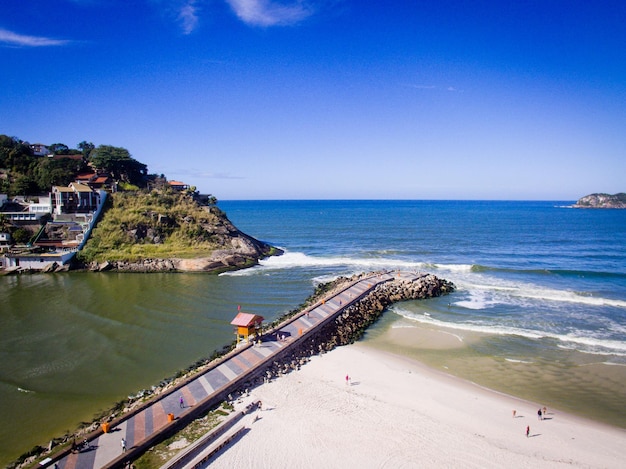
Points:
(270, 12)
(451, 89)
(423, 87)
(188, 16)
(14, 39)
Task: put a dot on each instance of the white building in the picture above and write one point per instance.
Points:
(42, 207)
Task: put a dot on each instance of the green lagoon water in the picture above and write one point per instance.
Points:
(73, 344)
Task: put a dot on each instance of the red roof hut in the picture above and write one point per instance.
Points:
(247, 324)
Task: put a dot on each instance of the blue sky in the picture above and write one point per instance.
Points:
(299, 99)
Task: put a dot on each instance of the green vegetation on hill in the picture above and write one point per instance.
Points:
(157, 224)
(24, 173)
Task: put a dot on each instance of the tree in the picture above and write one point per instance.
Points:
(86, 148)
(119, 164)
(5, 224)
(61, 172)
(59, 148)
(21, 235)
(24, 185)
(15, 155)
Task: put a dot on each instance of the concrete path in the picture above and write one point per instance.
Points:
(142, 429)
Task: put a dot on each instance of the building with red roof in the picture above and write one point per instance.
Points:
(247, 324)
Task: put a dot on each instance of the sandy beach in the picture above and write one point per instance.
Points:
(396, 412)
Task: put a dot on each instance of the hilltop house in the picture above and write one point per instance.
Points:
(94, 180)
(178, 186)
(76, 198)
(39, 149)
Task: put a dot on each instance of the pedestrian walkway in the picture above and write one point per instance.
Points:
(143, 429)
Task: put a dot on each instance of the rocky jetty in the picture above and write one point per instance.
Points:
(348, 327)
(602, 201)
(351, 324)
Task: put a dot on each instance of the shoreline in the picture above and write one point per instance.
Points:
(398, 412)
(576, 383)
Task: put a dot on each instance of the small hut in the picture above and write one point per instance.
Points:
(247, 324)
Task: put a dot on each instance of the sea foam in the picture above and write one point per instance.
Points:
(568, 340)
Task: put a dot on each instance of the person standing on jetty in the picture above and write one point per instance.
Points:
(182, 402)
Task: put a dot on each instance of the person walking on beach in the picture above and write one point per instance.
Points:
(527, 431)
(539, 415)
(123, 443)
(347, 379)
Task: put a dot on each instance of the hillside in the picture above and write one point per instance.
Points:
(602, 201)
(164, 230)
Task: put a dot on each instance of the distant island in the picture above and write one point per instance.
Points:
(600, 200)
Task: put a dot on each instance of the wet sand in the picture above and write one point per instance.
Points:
(582, 384)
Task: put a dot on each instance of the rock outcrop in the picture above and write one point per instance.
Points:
(168, 232)
(602, 201)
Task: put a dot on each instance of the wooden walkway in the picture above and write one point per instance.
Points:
(150, 424)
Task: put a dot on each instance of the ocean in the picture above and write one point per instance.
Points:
(539, 311)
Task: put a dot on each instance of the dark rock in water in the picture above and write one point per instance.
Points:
(602, 201)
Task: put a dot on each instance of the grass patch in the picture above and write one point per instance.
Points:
(156, 224)
(166, 450)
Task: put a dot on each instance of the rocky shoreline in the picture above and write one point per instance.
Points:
(217, 262)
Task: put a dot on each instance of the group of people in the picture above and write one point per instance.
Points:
(541, 414)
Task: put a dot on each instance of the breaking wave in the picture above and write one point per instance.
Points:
(575, 340)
